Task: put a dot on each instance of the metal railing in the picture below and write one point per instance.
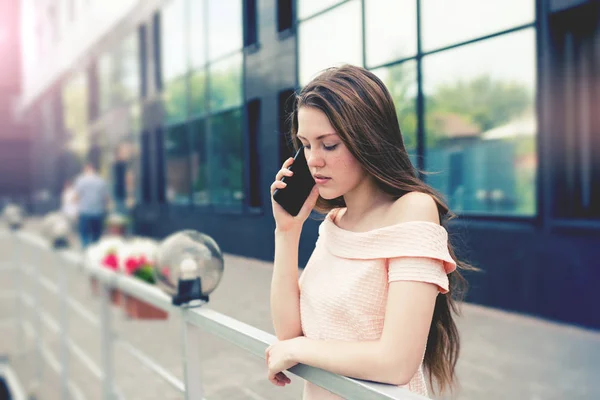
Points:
(193, 320)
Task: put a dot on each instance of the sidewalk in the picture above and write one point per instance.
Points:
(504, 356)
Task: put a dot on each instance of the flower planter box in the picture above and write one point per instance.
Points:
(116, 297)
(139, 309)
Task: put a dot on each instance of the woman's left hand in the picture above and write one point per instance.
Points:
(281, 356)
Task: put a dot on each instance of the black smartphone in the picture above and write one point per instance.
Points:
(299, 185)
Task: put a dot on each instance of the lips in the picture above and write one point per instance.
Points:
(320, 179)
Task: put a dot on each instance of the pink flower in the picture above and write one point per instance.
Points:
(166, 272)
(111, 261)
(132, 265)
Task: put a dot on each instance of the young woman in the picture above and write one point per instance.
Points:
(374, 300)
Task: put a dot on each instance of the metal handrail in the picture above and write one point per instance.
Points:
(194, 320)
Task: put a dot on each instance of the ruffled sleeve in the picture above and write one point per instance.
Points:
(419, 269)
(416, 250)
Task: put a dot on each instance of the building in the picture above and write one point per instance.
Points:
(183, 104)
(15, 142)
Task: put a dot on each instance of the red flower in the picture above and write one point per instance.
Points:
(132, 265)
(111, 261)
(166, 272)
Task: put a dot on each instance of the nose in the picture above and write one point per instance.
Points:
(314, 160)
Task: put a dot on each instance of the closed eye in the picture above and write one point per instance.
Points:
(327, 148)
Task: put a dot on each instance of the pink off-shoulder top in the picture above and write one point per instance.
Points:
(344, 287)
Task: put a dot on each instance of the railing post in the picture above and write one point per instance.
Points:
(191, 359)
(63, 285)
(17, 265)
(37, 318)
(107, 342)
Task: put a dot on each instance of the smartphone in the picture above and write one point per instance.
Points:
(299, 185)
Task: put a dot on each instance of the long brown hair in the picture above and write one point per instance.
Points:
(361, 110)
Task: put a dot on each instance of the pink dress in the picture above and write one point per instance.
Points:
(344, 287)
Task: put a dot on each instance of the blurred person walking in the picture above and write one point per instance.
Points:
(92, 201)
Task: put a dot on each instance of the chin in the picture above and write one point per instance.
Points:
(329, 194)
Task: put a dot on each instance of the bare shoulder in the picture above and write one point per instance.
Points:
(415, 206)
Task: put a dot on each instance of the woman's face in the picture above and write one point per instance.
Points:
(334, 168)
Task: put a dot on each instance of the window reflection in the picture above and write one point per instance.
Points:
(391, 30)
(325, 42)
(224, 28)
(130, 77)
(226, 83)
(199, 163)
(75, 118)
(173, 39)
(125, 172)
(401, 81)
(202, 93)
(226, 158)
(175, 100)
(198, 92)
(306, 8)
(197, 50)
(105, 68)
(176, 144)
(481, 124)
(446, 22)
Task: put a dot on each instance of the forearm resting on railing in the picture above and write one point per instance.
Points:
(285, 292)
(367, 360)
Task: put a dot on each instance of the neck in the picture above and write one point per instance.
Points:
(365, 198)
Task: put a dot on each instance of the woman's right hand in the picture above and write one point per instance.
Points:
(283, 220)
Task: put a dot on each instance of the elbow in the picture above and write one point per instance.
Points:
(396, 370)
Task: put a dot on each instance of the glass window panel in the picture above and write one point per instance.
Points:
(306, 8)
(224, 28)
(226, 159)
(130, 59)
(105, 68)
(197, 36)
(146, 168)
(199, 149)
(198, 92)
(343, 43)
(175, 100)
(481, 124)
(448, 22)
(125, 173)
(401, 81)
(391, 30)
(178, 173)
(125, 75)
(226, 83)
(172, 32)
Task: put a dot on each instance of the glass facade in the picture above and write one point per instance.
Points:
(477, 87)
(113, 136)
(464, 90)
(203, 101)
